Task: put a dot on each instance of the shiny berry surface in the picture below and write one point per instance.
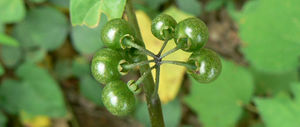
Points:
(114, 31)
(118, 99)
(105, 65)
(208, 65)
(163, 26)
(192, 33)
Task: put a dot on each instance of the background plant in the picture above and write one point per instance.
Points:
(39, 46)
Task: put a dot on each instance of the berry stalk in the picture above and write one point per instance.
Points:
(154, 104)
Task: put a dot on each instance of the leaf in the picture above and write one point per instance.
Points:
(10, 56)
(214, 5)
(193, 7)
(1, 70)
(29, 120)
(37, 1)
(3, 120)
(2, 28)
(60, 3)
(272, 83)
(155, 4)
(152, 13)
(177, 14)
(91, 89)
(220, 103)
(12, 11)
(269, 43)
(170, 75)
(35, 55)
(88, 12)
(63, 69)
(171, 112)
(8, 41)
(43, 27)
(233, 12)
(80, 67)
(10, 92)
(87, 40)
(287, 110)
(42, 91)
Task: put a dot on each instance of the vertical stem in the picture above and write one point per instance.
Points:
(155, 93)
(153, 104)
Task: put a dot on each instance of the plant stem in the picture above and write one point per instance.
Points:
(155, 93)
(180, 63)
(153, 104)
(130, 66)
(170, 52)
(142, 49)
(142, 78)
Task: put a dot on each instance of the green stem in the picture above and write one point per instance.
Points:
(180, 63)
(170, 52)
(142, 78)
(134, 65)
(142, 49)
(153, 104)
(155, 93)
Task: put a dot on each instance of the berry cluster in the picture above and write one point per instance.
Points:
(124, 51)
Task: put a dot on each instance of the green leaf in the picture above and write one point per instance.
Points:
(80, 67)
(193, 7)
(43, 27)
(63, 69)
(10, 93)
(42, 91)
(37, 1)
(219, 103)
(287, 110)
(152, 13)
(3, 119)
(12, 11)
(272, 83)
(213, 5)
(2, 28)
(1, 70)
(177, 14)
(171, 112)
(35, 55)
(87, 40)
(88, 12)
(91, 89)
(10, 56)
(154, 4)
(7, 40)
(271, 44)
(60, 3)
(258, 124)
(234, 13)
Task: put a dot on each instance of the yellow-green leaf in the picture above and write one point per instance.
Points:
(88, 12)
(30, 120)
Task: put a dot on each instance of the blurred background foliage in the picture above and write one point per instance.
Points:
(46, 80)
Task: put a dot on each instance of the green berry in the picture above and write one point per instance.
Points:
(118, 99)
(114, 31)
(163, 27)
(208, 65)
(106, 65)
(191, 34)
